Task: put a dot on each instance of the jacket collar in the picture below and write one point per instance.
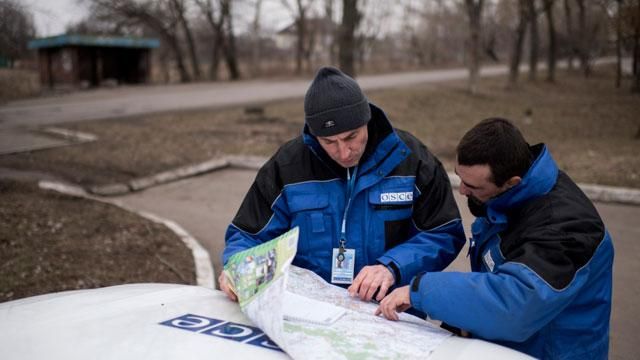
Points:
(539, 180)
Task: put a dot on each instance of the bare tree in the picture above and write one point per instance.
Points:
(328, 14)
(299, 14)
(155, 15)
(474, 12)
(534, 39)
(516, 52)
(230, 52)
(552, 48)
(583, 47)
(570, 36)
(178, 9)
(374, 20)
(215, 24)
(636, 51)
(256, 44)
(350, 20)
(617, 19)
(219, 17)
(568, 20)
(16, 28)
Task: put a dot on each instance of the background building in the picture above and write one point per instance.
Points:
(87, 61)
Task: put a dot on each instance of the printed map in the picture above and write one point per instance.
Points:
(359, 334)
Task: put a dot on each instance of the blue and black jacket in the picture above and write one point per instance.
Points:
(542, 267)
(402, 212)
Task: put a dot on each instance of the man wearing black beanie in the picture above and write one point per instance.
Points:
(373, 205)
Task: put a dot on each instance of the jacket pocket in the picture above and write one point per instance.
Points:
(313, 215)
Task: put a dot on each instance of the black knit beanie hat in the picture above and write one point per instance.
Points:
(334, 104)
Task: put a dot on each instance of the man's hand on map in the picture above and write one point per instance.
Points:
(226, 287)
(371, 279)
(392, 304)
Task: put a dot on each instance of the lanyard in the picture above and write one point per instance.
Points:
(351, 181)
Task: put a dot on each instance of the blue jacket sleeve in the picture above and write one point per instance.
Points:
(437, 234)
(263, 214)
(511, 304)
(429, 250)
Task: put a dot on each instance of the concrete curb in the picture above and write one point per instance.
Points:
(599, 193)
(205, 275)
(75, 136)
(159, 178)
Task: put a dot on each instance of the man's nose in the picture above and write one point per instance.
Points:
(343, 150)
(463, 190)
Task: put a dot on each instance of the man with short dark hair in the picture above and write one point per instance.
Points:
(373, 205)
(540, 255)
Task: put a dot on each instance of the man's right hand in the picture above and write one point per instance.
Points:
(226, 287)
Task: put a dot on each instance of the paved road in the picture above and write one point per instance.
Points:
(205, 205)
(134, 100)
(110, 103)
(18, 118)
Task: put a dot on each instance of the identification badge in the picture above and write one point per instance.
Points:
(343, 265)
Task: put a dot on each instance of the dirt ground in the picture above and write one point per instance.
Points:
(52, 242)
(589, 126)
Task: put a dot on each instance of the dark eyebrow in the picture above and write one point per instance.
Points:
(469, 186)
(455, 170)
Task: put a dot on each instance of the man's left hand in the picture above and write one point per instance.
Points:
(398, 301)
(369, 280)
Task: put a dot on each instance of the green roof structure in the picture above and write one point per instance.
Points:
(98, 41)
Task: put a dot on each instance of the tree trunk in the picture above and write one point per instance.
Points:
(534, 36)
(636, 55)
(516, 52)
(619, 45)
(350, 19)
(230, 53)
(255, 40)
(301, 30)
(328, 13)
(164, 66)
(570, 36)
(214, 64)
(551, 53)
(178, 8)
(206, 7)
(474, 11)
(583, 46)
(173, 44)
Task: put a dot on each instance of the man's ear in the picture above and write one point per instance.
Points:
(513, 181)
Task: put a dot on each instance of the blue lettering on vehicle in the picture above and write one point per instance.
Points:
(223, 329)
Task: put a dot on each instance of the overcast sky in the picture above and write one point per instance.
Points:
(52, 16)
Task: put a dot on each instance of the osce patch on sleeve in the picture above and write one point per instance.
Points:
(391, 197)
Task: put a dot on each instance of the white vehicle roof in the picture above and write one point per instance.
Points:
(156, 321)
